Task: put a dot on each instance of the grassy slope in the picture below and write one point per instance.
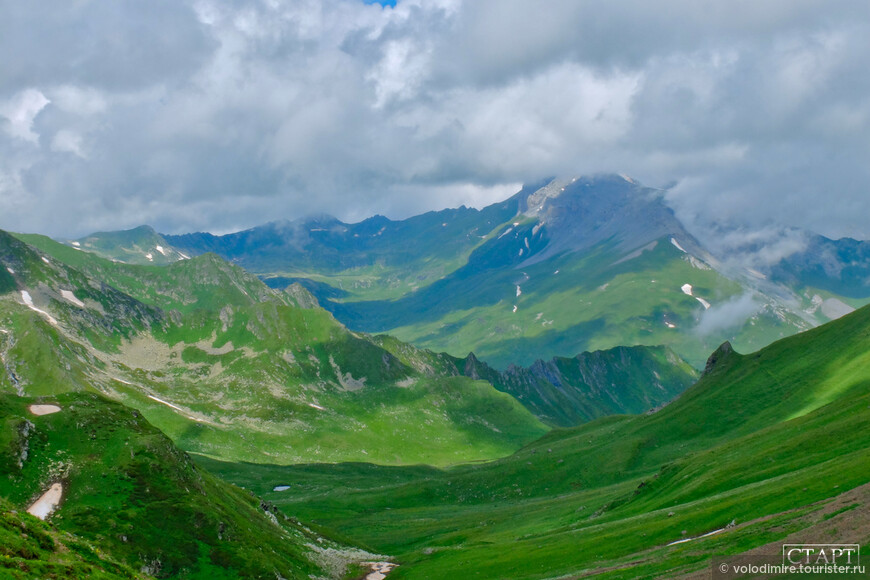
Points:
(253, 375)
(566, 392)
(132, 493)
(765, 439)
(591, 304)
(30, 548)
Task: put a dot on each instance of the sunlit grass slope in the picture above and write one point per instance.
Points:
(776, 442)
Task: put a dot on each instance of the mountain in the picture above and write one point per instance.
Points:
(231, 368)
(840, 267)
(140, 245)
(765, 449)
(130, 500)
(569, 391)
(562, 267)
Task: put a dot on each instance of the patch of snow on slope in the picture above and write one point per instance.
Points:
(687, 289)
(678, 246)
(515, 308)
(150, 256)
(40, 410)
(519, 291)
(183, 256)
(379, 570)
(10, 270)
(703, 302)
(670, 325)
(70, 297)
(76, 244)
(506, 232)
(44, 259)
(28, 301)
(160, 249)
(153, 398)
(316, 406)
(46, 504)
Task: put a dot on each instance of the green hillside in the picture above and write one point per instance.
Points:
(131, 500)
(773, 444)
(569, 391)
(231, 368)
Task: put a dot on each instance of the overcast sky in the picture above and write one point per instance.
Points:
(220, 115)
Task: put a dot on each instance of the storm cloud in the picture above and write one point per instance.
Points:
(206, 115)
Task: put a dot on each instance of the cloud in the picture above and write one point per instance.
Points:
(20, 111)
(206, 115)
(727, 315)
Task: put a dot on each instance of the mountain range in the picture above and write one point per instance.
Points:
(172, 414)
(564, 266)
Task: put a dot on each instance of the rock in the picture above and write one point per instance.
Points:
(720, 354)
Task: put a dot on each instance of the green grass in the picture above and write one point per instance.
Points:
(245, 372)
(132, 493)
(766, 439)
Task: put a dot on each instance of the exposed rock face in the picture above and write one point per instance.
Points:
(301, 297)
(720, 354)
(570, 391)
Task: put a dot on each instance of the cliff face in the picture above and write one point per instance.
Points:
(569, 391)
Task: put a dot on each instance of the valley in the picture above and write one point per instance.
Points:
(131, 384)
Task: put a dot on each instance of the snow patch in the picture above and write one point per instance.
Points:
(150, 256)
(687, 289)
(516, 224)
(160, 249)
(46, 504)
(183, 256)
(70, 297)
(515, 308)
(379, 569)
(521, 251)
(316, 406)
(519, 291)
(556, 272)
(28, 301)
(506, 232)
(43, 409)
(10, 270)
(153, 398)
(281, 488)
(678, 246)
(44, 259)
(703, 302)
(670, 325)
(76, 244)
